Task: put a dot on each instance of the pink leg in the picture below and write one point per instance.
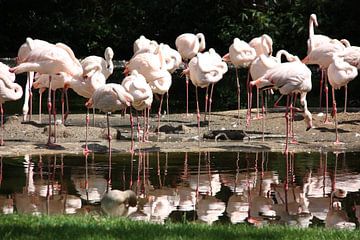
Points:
(49, 106)
(326, 120)
(87, 121)
(54, 114)
(276, 104)
(345, 102)
(138, 127)
(321, 87)
(159, 113)
(40, 102)
(287, 124)
(2, 125)
(167, 106)
(210, 103)
(292, 110)
(263, 113)
(206, 102)
(197, 111)
(335, 116)
(30, 99)
(238, 93)
(131, 124)
(248, 113)
(187, 95)
(257, 105)
(109, 138)
(62, 106)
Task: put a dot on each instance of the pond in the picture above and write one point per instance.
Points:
(302, 189)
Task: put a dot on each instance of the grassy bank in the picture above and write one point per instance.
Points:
(73, 227)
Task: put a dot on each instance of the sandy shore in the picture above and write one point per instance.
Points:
(181, 134)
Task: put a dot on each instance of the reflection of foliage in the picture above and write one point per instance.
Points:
(92, 25)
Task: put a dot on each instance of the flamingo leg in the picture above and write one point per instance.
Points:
(292, 110)
(321, 87)
(49, 106)
(238, 93)
(287, 124)
(326, 121)
(187, 95)
(167, 107)
(248, 113)
(54, 114)
(346, 96)
(145, 126)
(263, 113)
(109, 138)
(62, 106)
(40, 102)
(87, 121)
(206, 102)
(257, 105)
(210, 103)
(138, 127)
(131, 125)
(30, 96)
(159, 113)
(335, 118)
(197, 111)
(2, 125)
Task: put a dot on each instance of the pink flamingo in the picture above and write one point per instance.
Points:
(9, 91)
(351, 55)
(109, 98)
(152, 66)
(188, 45)
(205, 69)
(95, 64)
(290, 78)
(142, 44)
(322, 56)
(52, 59)
(340, 73)
(136, 85)
(23, 52)
(241, 54)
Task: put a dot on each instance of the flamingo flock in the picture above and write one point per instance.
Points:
(149, 72)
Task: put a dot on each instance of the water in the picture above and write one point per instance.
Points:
(221, 187)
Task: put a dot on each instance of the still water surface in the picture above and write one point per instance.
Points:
(222, 187)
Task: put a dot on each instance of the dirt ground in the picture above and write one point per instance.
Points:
(180, 133)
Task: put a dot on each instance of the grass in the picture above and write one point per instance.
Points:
(76, 227)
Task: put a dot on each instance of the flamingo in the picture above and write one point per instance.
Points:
(153, 67)
(116, 202)
(322, 56)
(109, 98)
(51, 59)
(188, 45)
(23, 52)
(205, 69)
(95, 64)
(351, 55)
(315, 40)
(290, 78)
(142, 44)
(340, 73)
(241, 54)
(9, 91)
(136, 85)
(263, 45)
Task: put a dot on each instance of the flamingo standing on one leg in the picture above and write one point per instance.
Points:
(314, 41)
(290, 78)
(9, 91)
(109, 98)
(188, 45)
(340, 73)
(241, 54)
(52, 59)
(205, 69)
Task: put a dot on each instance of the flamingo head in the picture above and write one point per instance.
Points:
(308, 120)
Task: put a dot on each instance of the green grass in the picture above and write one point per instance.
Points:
(74, 227)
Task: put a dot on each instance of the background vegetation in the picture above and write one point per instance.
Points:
(89, 26)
